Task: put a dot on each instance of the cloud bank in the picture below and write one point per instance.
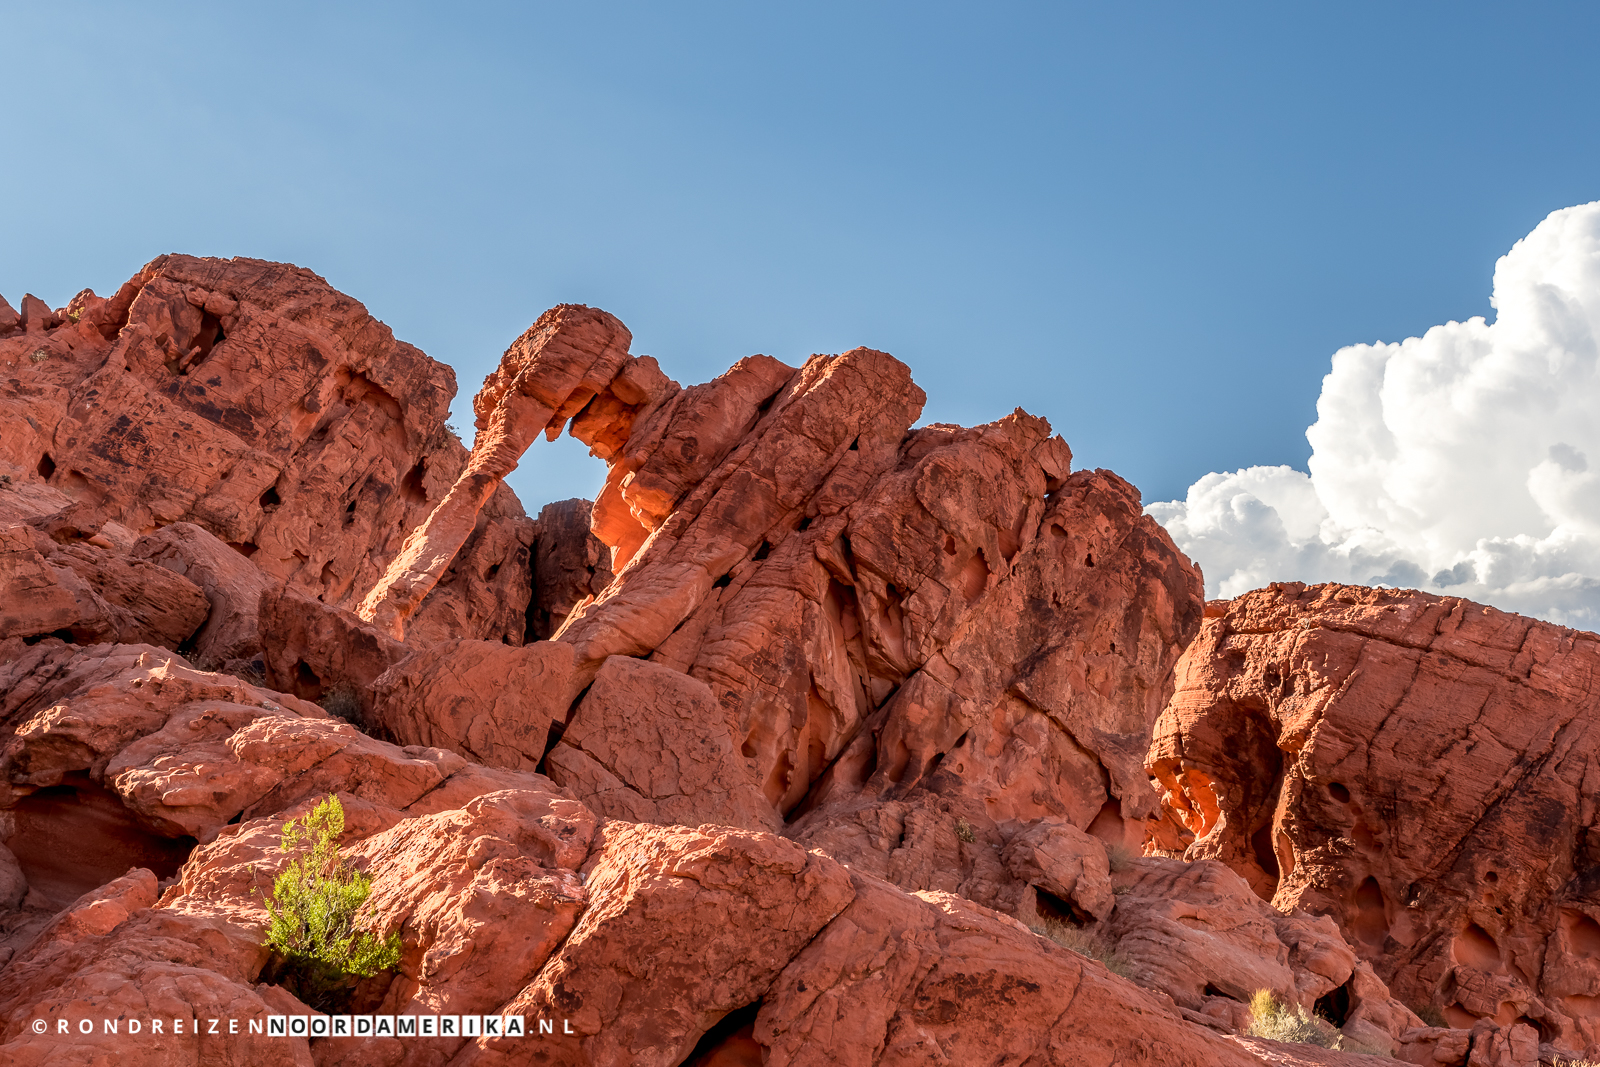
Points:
(1465, 461)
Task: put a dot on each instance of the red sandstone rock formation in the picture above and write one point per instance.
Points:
(258, 403)
(1419, 768)
(512, 898)
(550, 373)
(833, 709)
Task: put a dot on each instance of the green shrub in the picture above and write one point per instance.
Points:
(964, 830)
(319, 950)
(1272, 1019)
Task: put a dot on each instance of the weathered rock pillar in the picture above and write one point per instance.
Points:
(547, 375)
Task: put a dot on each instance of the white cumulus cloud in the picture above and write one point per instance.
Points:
(1466, 460)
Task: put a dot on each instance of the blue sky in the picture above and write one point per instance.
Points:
(1152, 223)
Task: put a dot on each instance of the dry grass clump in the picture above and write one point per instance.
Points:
(1276, 1021)
(1120, 857)
(1083, 943)
(343, 702)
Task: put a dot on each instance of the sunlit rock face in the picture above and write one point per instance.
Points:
(1420, 769)
(817, 738)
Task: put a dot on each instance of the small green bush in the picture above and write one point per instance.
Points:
(1272, 1019)
(312, 915)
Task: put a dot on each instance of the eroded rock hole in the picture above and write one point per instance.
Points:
(307, 685)
(46, 467)
(75, 837)
(1339, 792)
(1370, 924)
(1266, 856)
(1334, 1006)
(411, 485)
(1108, 824)
(855, 446)
(975, 576)
(805, 522)
(244, 548)
(1475, 947)
(270, 499)
(1088, 559)
(1049, 906)
(209, 337)
(1583, 933)
(723, 582)
(730, 1043)
(763, 551)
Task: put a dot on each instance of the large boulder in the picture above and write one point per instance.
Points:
(257, 402)
(1420, 768)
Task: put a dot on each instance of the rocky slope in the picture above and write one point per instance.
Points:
(781, 752)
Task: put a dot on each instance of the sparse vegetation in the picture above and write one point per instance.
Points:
(964, 830)
(343, 702)
(1082, 942)
(1430, 1014)
(39, 355)
(1120, 857)
(319, 950)
(1272, 1019)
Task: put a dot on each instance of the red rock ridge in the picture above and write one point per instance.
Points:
(831, 710)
